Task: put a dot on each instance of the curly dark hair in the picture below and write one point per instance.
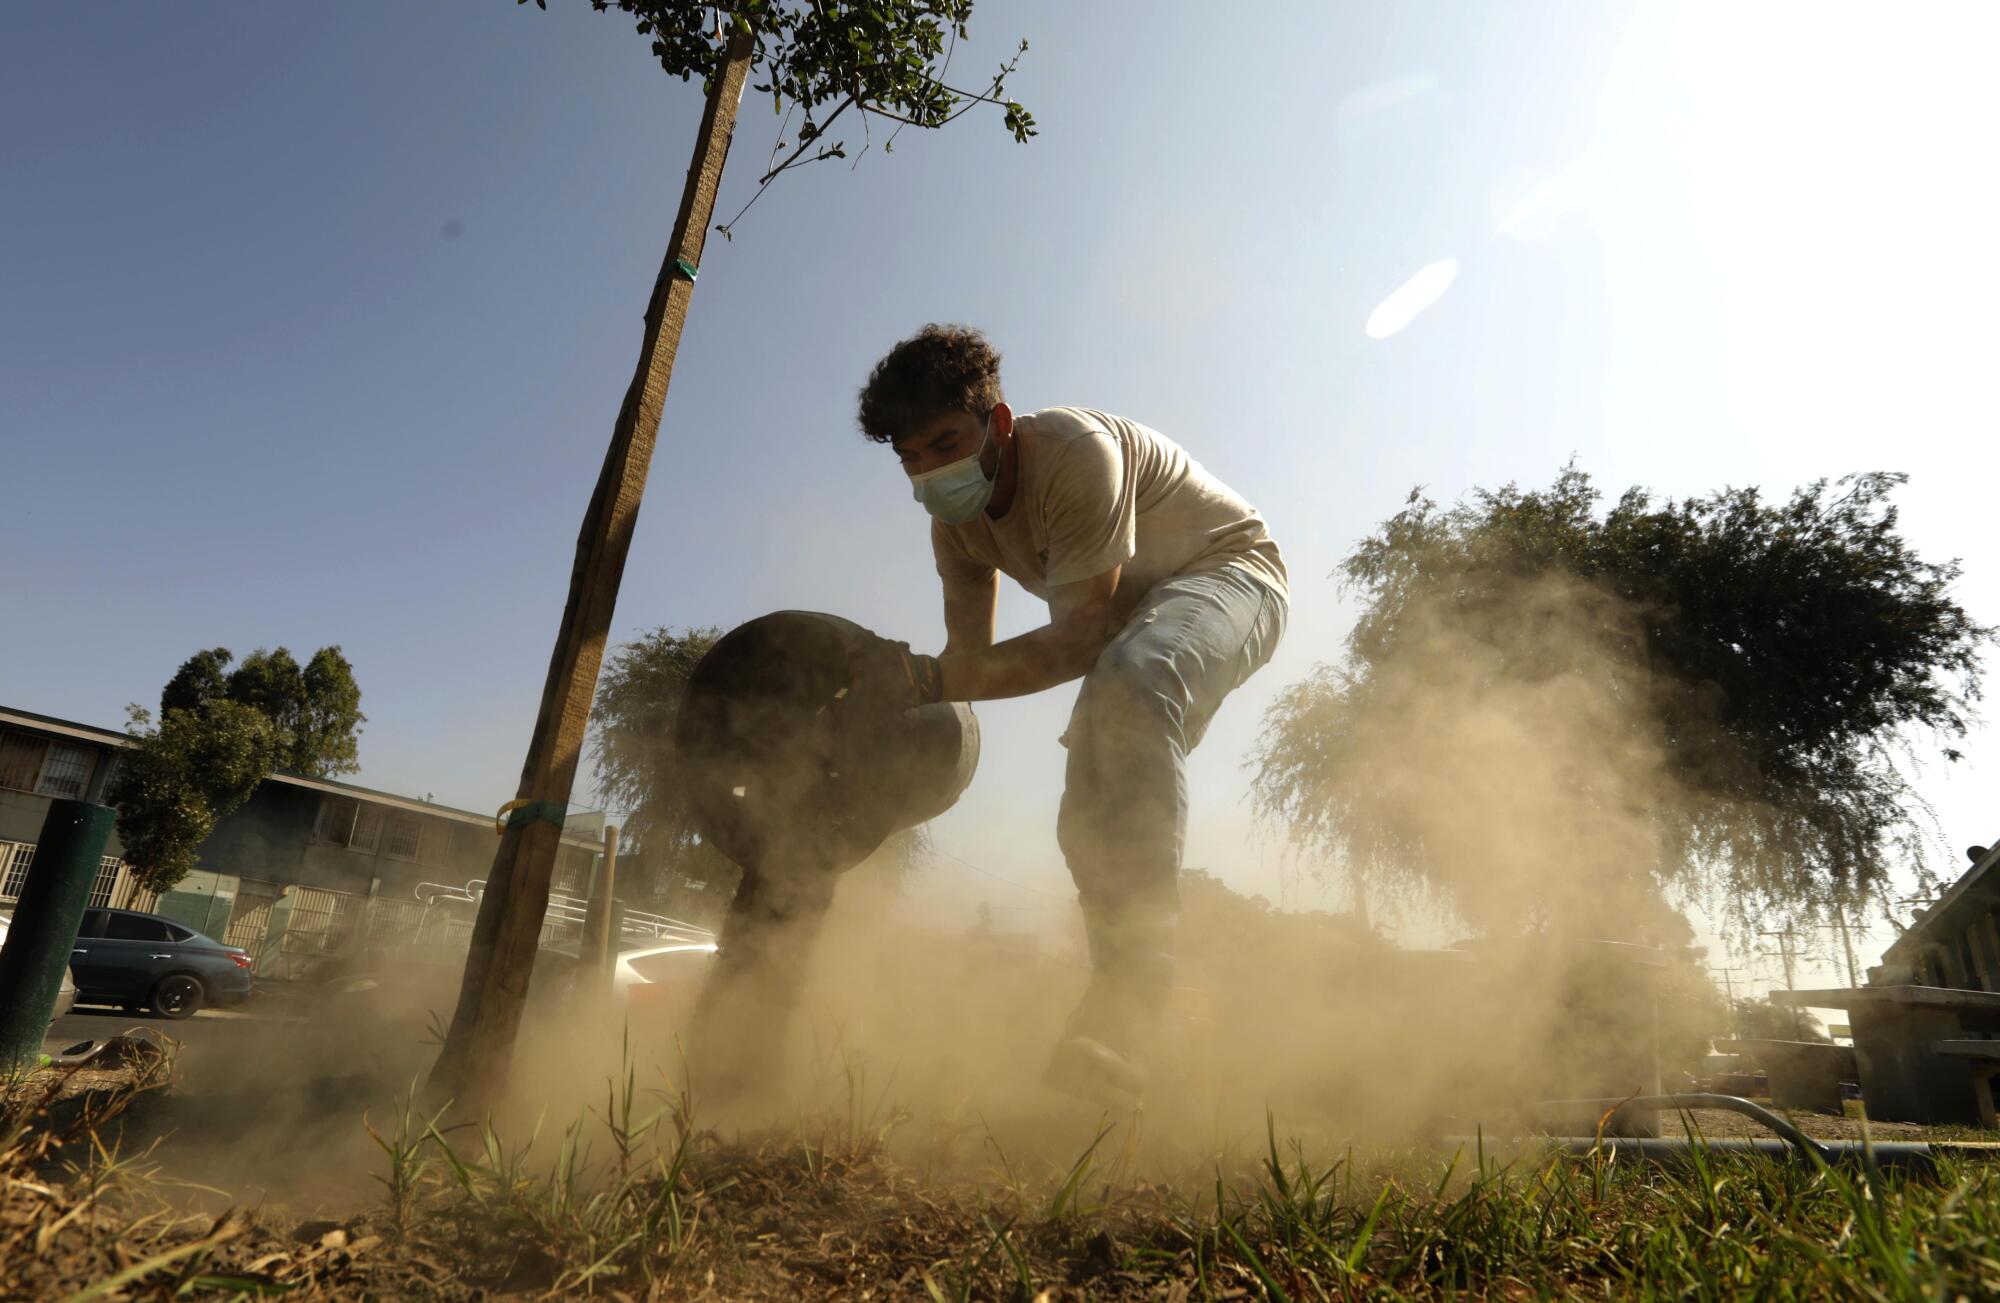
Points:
(938, 369)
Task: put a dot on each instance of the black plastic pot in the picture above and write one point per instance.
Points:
(786, 772)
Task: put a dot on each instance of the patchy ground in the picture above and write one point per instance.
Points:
(634, 1200)
(88, 1211)
(1823, 1126)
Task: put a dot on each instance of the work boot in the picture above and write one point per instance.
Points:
(1113, 1040)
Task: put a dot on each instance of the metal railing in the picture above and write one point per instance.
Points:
(114, 888)
(566, 915)
(294, 929)
(289, 929)
(250, 919)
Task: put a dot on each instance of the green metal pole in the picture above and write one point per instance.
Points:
(44, 925)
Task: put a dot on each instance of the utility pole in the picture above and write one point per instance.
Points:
(472, 1067)
(1846, 944)
(1729, 991)
(1788, 953)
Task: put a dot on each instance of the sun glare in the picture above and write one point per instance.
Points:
(1411, 298)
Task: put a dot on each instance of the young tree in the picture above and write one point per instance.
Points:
(219, 733)
(887, 61)
(1730, 689)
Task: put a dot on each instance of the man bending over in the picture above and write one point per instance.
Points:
(1165, 592)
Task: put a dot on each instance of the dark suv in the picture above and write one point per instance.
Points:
(143, 961)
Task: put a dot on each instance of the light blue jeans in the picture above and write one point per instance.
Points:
(1143, 707)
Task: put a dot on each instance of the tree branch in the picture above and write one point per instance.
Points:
(804, 145)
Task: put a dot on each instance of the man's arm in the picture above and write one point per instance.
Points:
(1080, 626)
(969, 607)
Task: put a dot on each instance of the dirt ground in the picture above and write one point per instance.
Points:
(808, 1213)
(266, 1159)
(1825, 1126)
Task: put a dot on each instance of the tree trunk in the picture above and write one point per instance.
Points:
(472, 1068)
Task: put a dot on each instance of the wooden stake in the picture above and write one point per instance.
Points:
(478, 1050)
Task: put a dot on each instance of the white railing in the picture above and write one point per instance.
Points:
(291, 930)
(566, 915)
(14, 860)
(114, 888)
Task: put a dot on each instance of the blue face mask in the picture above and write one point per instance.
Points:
(957, 492)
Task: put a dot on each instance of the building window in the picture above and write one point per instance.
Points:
(105, 885)
(572, 876)
(336, 823)
(367, 828)
(15, 857)
(406, 836)
(347, 822)
(66, 772)
(21, 758)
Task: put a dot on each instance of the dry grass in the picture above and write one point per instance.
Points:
(82, 1217)
(635, 1200)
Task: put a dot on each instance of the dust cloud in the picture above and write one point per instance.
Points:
(1505, 770)
(1506, 763)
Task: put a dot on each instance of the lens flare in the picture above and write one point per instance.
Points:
(1382, 96)
(1411, 298)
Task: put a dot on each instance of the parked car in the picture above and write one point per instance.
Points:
(143, 961)
(65, 994)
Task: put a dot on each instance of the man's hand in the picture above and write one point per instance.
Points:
(890, 673)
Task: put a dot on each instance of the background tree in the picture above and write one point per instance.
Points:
(1770, 671)
(202, 678)
(315, 709)
(219, 733)
(1760, 1020)
(634, 763)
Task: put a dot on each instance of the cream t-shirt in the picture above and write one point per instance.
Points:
(1096, 491)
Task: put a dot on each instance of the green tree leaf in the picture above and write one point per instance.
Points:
(889, 62)
(200, 680)
(219, 733)
(194, 768)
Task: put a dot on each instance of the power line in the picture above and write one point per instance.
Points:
(1840, 928)
(988, 873)
(1787, 952)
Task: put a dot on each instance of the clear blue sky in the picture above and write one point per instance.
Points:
(314, 319)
